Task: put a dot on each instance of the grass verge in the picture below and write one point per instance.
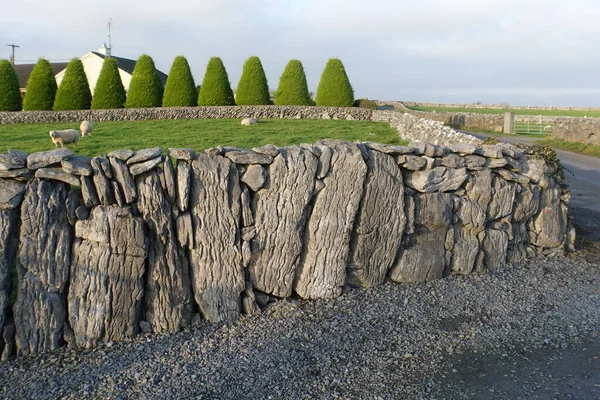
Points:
(574, 147)
(198, 134)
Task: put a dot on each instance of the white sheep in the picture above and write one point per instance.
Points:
(86, 128)
(249, 121)
(65, 136)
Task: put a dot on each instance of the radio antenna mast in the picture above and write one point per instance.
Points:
(109, 47)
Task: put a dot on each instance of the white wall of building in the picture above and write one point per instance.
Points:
(92, 64)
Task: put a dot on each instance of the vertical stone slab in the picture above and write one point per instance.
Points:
(9, 239)
(527, 202)
(106, 287)
(183, 185)
(423, 253)
(216, 259)
(280, 220)
(549, 226)
(43, 262)
(322, 269)
(380, 222)
(167, 296)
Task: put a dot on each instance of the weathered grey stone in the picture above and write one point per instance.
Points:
(11, 193)
(379, 223)
(145, 327)
(82, 212)
(463, 148)
(433, 150)
(45, 158)
(248, 232)
(527, 202)
(269, 149)
(184, 171)
(418, 147)
(422, 256)
(141, 156)
(122, 154)
(57, 174)
(516, 250)
(247, 214)
(439, 179)
(88, 192)
(167, 296)
(309, 147)
(124, 179)
(104, 190)
(43, 262)
(102, 163)
(185, 232)
(495, 248)
(536, 170)
(280, 219)
(319, 185)
(77, 165)
(503, 198)
(412, 163)
(8, 338)
(215, 208)
(118, 196)
(106, 283)
(170, 180)
(140, 168)
(495, 163)
(550, 224)
(453, 161)
(254, 177)
(248, 157)
(20, 174)
(71, 204)
(490, 151)
(322, 269)
(15, 157)
(324, 161)
(389, 148)
(249, 306)
(186, 154)
(7, 166)
(474, 162)
(9, 239)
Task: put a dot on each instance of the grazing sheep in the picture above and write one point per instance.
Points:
(86, 128)
(249, 121)
(548, 128)
(65, 136)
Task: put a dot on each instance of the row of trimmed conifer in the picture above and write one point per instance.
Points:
(146, 89)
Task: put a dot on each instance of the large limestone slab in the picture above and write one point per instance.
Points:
(527, 202)
(15, 157)
(144, 155)
(43, 262)
(167, 297)
(550, 224)
(495, 248)
(380, 222)
(184, 171)
(11, 193)
(77, 165)
(106, 289)
(423, 253)
(280, 219)
(124, 179)
(438, 179)
(216, 260)
(9, 239)
(57, 174)
(45, 158)
(140, 168)
(322, 269)
(503, 198)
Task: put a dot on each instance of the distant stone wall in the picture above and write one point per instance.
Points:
(496, 106)
(129, 242)
(584, 130)
(159, 113)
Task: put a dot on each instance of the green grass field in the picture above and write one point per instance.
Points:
(197, 134)
(574, 147)
(557, 113)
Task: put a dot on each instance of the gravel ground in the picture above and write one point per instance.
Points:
(525, 332)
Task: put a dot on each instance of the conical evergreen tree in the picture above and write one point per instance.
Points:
(334, 88)
(145, 89)
(215, 89)
(180, 90)
(293, 90)
(74, 91)
(41, 87)
(109, 91)
(253, 88)
(10, 95)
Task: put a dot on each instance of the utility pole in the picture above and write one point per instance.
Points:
(12, 58)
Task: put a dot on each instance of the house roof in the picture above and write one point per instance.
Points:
(24, 70)
(128, 65)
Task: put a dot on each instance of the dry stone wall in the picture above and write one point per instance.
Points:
(150, 241)
(584, 130)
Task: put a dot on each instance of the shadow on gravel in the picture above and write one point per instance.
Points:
(587, 225)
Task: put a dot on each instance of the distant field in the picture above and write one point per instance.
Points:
(198, 134)
(532, 111)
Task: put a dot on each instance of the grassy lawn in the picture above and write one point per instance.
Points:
(570, 113)
(198, 134)
(575, 147)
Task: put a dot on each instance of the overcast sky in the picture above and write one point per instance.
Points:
(525, 52)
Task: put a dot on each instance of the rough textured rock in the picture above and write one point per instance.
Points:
(248, 157)
(495, 247)
(167, 296)
(269, 149)
(324, 161)
(254, 177)
(474, 162)
(144, 155)
(182, 153)
(125, 180)
(280, 219)
(389, 148)
(379, 223)
(102, 163)
(247, 214)
(503, 198)
(123, 154)
(107, 286)
(119, 199)
(88, 192)
(77, 165)
(184, 171)
(527, 202)
(11, 193)
(15, 157)
(550, 223)
(46, 158)
(140, 168)
(216, 260)
(410, 162)
(185, 232)
(423, 253)
(57, 174)
(439, 179)
(170, 180)
(104, 189)
(43, 263)
(9, 237)
(322, 269)
(21, 173)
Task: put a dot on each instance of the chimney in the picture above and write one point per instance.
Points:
(104, 50)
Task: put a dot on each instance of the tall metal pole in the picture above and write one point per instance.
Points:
(12, 58)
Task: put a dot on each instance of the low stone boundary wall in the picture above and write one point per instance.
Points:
(496, 106)
(110, 246)
(584, 130)
(159, 113)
